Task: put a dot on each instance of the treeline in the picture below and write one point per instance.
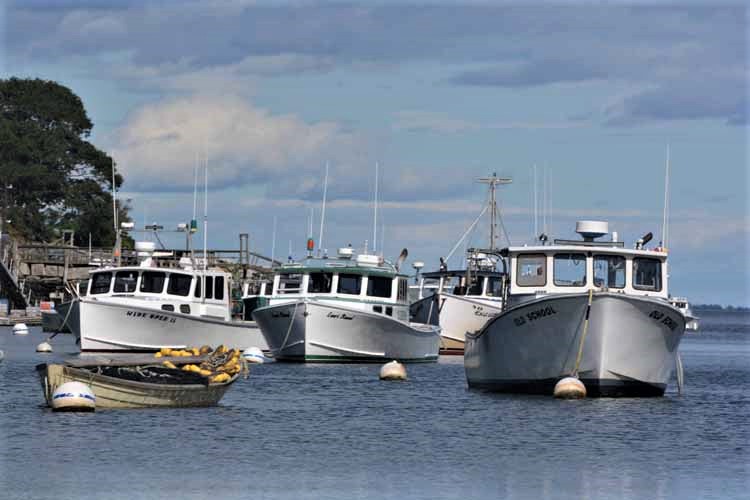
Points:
(719, 307)
(51, 178)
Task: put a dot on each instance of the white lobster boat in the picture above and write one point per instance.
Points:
(459, 301)
(145, 308)
(345, 309)
(591, 309)
(463, 300)
(681, 303)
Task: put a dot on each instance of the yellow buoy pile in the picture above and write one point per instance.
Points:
(220, 366)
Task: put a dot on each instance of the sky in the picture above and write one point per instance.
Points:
(589, 95)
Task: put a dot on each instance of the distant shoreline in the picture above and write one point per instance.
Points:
(718, 307)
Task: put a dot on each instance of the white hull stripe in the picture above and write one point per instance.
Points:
(341, 349)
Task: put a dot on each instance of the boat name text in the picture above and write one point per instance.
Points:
(663, 318)
(333, 315)
(479, 311)
(534, 315)
(157, 317)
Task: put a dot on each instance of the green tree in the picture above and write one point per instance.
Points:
(59, 180)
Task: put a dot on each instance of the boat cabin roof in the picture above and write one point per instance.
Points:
(583, 248)
(170, 270)
(459, 273)
(340, 266)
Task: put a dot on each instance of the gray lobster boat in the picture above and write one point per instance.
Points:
(591, 309)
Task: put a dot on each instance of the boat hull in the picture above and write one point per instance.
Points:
(112, 392)
(107, 327)
(456, 315)
(310, 331)
(629, 349)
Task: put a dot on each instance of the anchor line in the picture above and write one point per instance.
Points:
(583, 337)
(65, 321)
(288, 330)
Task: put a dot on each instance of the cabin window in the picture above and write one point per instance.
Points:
(403, 290)
(290, 283)
(209, 287)
(609, 271)
(494, 287)
(125, 281)
(100, 283)
(378, 286)
(167, 307)
(219, 288)
(531, 270)
(476, 286)
(179, 284)
(319, 283)
(389, 311)
(377, 309)
(184, 308)
(197, 292)
(647, 274)
(350, 284)
(569, 269)
(152, 282)
(454, 285)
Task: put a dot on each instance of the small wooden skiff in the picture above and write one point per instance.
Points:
(123, 384)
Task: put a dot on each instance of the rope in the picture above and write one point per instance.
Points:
(62, 326)
(461, 239)
(583, 337)
(288, 330)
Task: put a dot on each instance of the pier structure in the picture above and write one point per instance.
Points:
(34, 272)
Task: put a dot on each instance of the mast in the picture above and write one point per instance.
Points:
(375, 217)
(118, 242)
(114, 196)
(273, 242)
(205, 230)
(536, 205)
(493, 182)
(664, 228)
(323, 211)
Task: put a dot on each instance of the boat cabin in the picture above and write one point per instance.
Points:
(366, 279)
(173, 290)
(486, 284)
(323, 277)
(579, 266)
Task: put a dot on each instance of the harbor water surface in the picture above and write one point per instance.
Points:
(336, 431)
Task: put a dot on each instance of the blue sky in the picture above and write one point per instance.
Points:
(438, 93)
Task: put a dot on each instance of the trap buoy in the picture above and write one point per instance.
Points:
(44, 347)
(393, 371)
(253, 355)
(73, 396)
(570, 388)
(20, 329)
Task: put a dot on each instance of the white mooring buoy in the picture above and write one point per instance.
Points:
(2, 355)
(253, 355)
(570, 388)
(393, 371)
(20, 329)
(73, 396)
(44, 347)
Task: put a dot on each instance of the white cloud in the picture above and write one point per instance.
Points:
(416, 120)
(156, 147)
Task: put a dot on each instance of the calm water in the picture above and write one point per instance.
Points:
(319, 431)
